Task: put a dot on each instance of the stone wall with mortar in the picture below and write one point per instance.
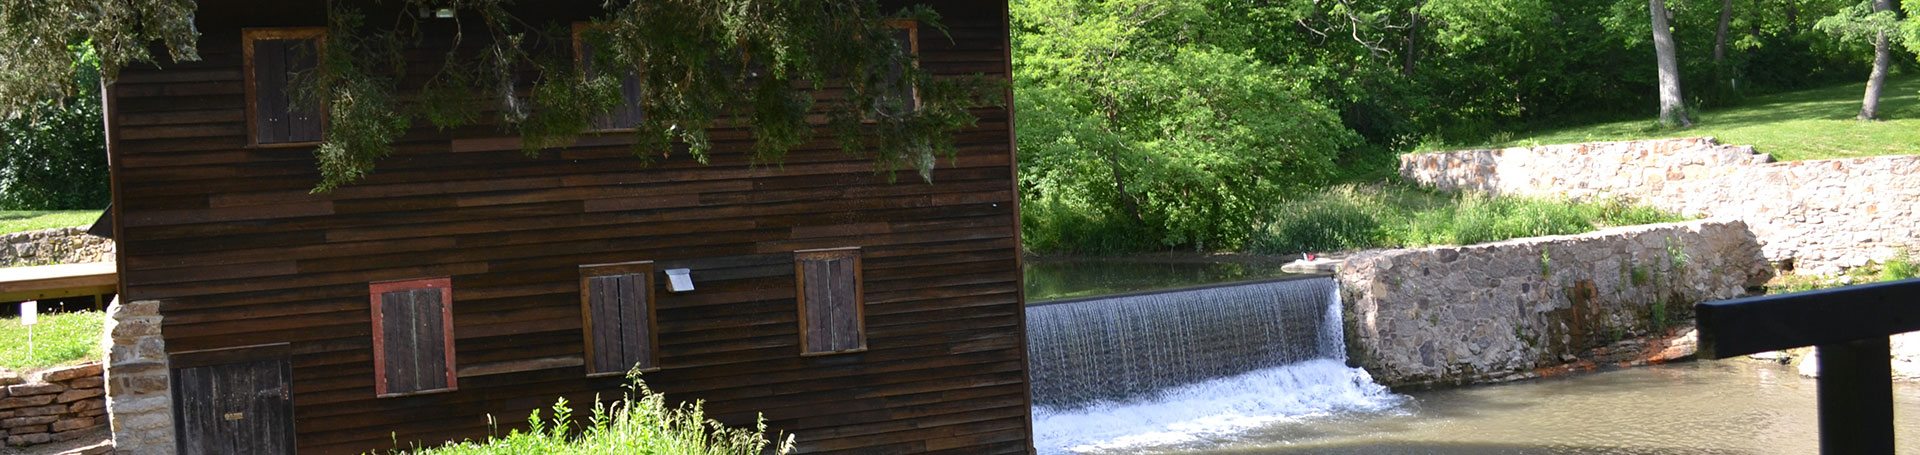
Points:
(1823, 215)
(138, 402)
(59, 404)
(1465, 314)
(67, 245)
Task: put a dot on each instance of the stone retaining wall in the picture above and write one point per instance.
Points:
(1822, 215)
(67, 245)
(1464, 314)
(55, 405)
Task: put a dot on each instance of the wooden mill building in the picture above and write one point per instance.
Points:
(465, 279)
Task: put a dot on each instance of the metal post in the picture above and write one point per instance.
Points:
(1856, 398)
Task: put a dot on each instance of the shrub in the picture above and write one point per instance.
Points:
(641, 423)
(1355, 217)
(58, 158)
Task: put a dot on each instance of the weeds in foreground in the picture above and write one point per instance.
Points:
(1901, 266)
(641, 423)
(1353, 217)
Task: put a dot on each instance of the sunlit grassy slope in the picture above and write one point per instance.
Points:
(1803, 125)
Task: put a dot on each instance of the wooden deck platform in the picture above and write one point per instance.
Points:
(58, 281)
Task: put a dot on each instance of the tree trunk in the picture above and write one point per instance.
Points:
(1793, 19)
(1870, 105)
(1673, 110)
(1413, 41)
(1720, 34)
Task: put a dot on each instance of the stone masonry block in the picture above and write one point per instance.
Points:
(73, 424)
(21, 402)
(77, 395)
(31, 389)
(53, 409)
(29, 439)
(18, 422)
(82, 405)
(139, 384)
(70, 373)
(89, 382)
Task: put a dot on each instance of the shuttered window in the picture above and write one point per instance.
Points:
(625, 115)
(274, 57)
(616, 305)
(413, 337)
(829, 293)
(906, 34)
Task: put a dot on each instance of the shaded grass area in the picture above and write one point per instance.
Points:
(1351, 217)
(12, 221)
(1803, 125)
(59, 339)
(641, 423)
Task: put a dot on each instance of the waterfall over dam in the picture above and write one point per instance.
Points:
(1128, 346)
(1165, 367)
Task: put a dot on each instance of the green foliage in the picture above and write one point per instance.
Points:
(1899, 267)
(1132, 122)
(12, 221)
(1355, 217)
(54, 156)
(707, 64)
(641, 423)
(58, 339)
(38, 66)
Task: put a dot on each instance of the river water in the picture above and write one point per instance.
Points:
(1732, 407)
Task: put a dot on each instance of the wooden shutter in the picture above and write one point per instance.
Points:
(413, 337)
(616, 305)
(628, 113)
(832, 317)
(906, 33)
(273, 57)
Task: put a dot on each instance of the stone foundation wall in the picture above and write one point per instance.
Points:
(68, 245)
(1822, 215)
(51, 406)
(137, 382)
(1465, 314)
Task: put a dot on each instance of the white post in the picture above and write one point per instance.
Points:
(30, 315)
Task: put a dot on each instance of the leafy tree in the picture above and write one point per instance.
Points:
(709, 64)
(1874, 21)
(1139, 121)
(55, 156)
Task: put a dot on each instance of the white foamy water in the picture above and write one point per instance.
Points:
(1212, 410)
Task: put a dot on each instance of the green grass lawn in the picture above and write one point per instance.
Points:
(1803, 125)
(59, 339)
(12, 221)
(1352, 217)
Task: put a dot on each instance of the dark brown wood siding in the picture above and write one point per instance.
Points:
(228, 238)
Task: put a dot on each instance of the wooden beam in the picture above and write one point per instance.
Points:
(57, 281)
(1752, 325)
(1856, 398)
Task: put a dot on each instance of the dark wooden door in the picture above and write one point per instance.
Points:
(234, 408)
